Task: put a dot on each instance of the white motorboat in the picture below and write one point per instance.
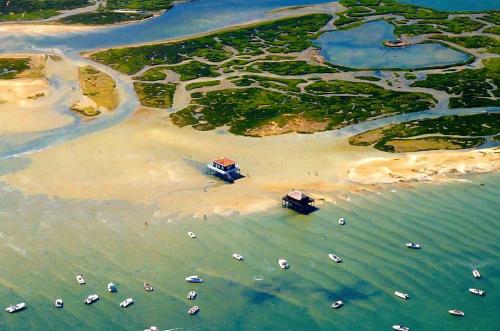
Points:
(148, 287)
(15, 308)
(191, 234)
(456, 312)
(476, 291)
(341, 221)
(152, 328)
(337, 304)
(413, 245)
(127, 302)
(335, 258)
(59, 303)
(191, 295)
(111, 287)
(238, 257)
(400, 328)
(79, 279)
(476, 274)
(194, 279)
(402, 295)
(91, 299)
(193, 310)
(283, 263)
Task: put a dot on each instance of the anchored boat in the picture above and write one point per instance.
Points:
(341, 221)
(337, 304)
(402, 295)
(91, 299)
(413, 245)
(194, 279)
(191, 234)
(283, 263)
(111, 287)
(59, 303)
(79, 279)
(127, 302)
(456, 312)
(476, 291)
(238, 257)
(15, 308)
(148, 287)
(400, 328)
(191, 295)
(476, 274)
(335, 258)
(193, 310)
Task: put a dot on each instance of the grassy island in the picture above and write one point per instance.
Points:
(22, 67)
(448, 132)
(26, 10)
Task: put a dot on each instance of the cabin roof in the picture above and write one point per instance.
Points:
(297, 195)
(224, 161)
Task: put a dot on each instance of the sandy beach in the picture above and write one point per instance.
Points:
(148, 160)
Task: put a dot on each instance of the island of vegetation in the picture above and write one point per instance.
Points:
(21, 66)
(268, 78)
(447, 132)
(100, 88)
(85, 12)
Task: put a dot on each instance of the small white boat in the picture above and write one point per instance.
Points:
(79, 279)
(15, 308)
(194, 279)
(456, 312)
(400, 328)
(191, 234)
(413, 245)
(341, 221)
(402, 295)
(337, 304)
(111, 287)
(193, 310)
(283, 263)
(91, 299)
(238, 257)
(152, 328)
(59, 303)
(335, 258)
(476, 291)
(127, 302)
(148, 287)
(191, 295)
(476, 274)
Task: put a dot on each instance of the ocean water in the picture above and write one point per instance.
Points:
(362, 47)
(45, 242)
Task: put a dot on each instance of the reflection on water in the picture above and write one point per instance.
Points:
(362, 47)
(47, 241)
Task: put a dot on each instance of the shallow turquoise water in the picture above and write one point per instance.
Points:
(362, 47)
(45, 242)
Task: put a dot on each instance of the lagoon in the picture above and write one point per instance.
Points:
(362, 47)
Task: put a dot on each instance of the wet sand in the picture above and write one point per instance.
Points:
(148, 160)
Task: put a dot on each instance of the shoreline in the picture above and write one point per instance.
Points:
(158, 164)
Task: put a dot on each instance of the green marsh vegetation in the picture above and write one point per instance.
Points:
(447, 132)
(193, 86)
(155, 95)
(102, 17)
(335, 104)
(286, 36)
(468, 87)
(11, 68)
(34, 10)
(490, 44)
